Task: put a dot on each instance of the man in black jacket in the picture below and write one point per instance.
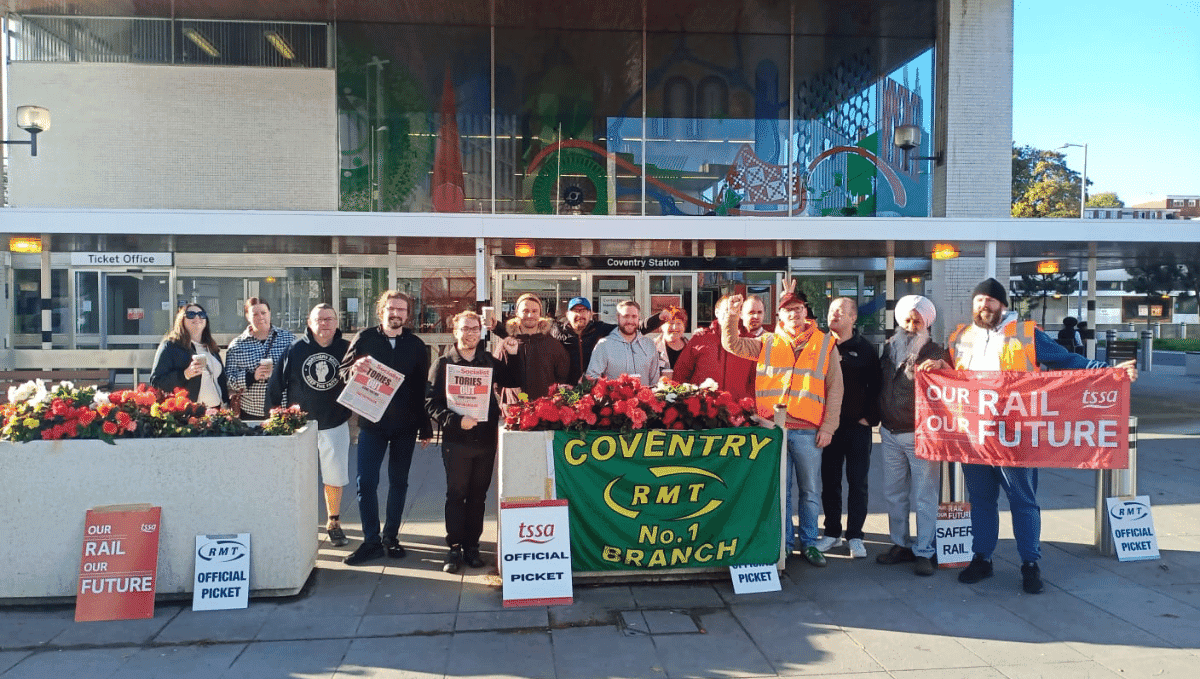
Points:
(307, 374)
(851, 444)
(464, 376)
(404, 421)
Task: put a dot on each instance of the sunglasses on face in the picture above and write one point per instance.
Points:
(195, 314)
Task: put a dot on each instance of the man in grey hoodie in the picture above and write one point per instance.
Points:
(626, 351)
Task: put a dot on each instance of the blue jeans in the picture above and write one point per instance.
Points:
(372, 447)
(1020, 484)
(804, 463)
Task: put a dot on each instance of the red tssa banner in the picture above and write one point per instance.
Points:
(1073, 419)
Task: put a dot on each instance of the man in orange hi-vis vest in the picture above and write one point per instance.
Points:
(997, 340)
(798, 369)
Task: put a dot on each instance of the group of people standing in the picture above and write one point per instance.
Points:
(831, 406)
(833, 387)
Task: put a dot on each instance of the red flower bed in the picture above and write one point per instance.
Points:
(626, 404)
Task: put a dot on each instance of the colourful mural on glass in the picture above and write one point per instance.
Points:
(724, 131)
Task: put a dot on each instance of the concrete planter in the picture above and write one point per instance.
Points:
(262, 485)
(526, 469)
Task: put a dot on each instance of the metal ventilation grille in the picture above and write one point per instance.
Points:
(169, 41)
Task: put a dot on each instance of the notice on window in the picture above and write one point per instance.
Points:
(469, 390)
(371, 389)
(118, 570)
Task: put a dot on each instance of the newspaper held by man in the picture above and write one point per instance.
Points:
(371, 388)
(469, 390)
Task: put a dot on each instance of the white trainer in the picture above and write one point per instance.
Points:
(827, 543)
(857, 549)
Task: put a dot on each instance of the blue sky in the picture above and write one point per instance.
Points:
(1122, 77)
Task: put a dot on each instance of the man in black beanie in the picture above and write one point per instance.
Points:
(998, 340)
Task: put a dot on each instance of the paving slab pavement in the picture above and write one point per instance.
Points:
(405, 618)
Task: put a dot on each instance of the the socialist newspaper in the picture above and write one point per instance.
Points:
(371, 390)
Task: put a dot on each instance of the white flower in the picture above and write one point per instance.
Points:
(671, 397)
(41, 394)
(100, 398)
(69, 386)
(25, 392)
(710, 384)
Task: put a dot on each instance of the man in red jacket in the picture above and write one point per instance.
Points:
(704, 358)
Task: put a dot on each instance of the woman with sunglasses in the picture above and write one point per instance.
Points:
(190, 358)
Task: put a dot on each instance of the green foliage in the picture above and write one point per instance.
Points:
(1177, 344)
(1034, 289)
(1042, 184)
(1105, 199)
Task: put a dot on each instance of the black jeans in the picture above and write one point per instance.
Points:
(851, 446)
(468, 477)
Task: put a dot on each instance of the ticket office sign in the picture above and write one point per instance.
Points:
(118, 569)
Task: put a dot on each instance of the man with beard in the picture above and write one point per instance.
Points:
(542, 361)
(796, 369)
(752, 316)
(996, 340)
(468, 445)
(581, 330)
(307, 375)
(704, 358)
(404, 421)
(626, 351)
(851, 444)
(908, 481)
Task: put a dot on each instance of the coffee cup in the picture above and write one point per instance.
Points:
(268, 361)
(199, 358)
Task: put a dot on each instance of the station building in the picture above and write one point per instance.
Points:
(466, 152)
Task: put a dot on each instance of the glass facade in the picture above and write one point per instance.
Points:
(744, 108)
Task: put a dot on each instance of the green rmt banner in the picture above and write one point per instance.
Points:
(660, 499)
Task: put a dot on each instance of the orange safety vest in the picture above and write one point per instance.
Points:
(1019, 352)
(796, 380)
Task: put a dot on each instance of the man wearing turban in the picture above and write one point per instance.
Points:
(908, 481)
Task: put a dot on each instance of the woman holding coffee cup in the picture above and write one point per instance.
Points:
(251, 358)
(190, 358)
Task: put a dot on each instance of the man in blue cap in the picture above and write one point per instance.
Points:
(581, 330)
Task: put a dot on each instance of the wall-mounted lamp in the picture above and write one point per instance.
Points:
(907, 138)
(25, 245)
(34, 120)
(1047, 266)
(944, 251)
(280, 45)
(524, 248)
(202, 42)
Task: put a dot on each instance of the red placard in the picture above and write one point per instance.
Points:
(1071, 419)
(118, 571)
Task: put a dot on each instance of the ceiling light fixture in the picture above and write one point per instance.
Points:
(201, 42)
(944, 251)
(280, 45)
